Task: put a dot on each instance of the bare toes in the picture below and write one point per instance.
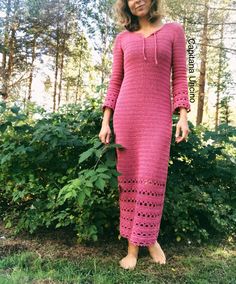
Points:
(128, 262)
(157, 254)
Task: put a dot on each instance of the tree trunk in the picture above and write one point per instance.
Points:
(62, 62)
(218, 78)
(202, 77)
(4, 90)
(56, 67)
(104, 43)
(78, 81)
(67, 90)
(11, 52)
(6, 35)
(79, 75)
(32, 67)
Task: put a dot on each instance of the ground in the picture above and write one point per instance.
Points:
(56, 258)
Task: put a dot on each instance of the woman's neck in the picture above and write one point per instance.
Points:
(145, 25)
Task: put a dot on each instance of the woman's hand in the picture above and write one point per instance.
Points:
(105, 133)
(182, 125)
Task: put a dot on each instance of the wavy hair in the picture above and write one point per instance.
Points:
(130, 22)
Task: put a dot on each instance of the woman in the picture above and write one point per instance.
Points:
(138, 95)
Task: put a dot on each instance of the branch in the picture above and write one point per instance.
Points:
(20, 79)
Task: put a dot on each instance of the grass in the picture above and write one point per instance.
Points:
(45, 260)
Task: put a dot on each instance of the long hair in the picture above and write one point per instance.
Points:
(130, 22)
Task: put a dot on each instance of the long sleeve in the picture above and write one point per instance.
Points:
(179, 72)
(116, 76)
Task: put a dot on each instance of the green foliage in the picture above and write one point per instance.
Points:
(55, 173)
(200, 197)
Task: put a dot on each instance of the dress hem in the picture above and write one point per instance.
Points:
(138, 243)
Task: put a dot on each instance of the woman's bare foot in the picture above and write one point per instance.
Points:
(129, 261)
(157, 253)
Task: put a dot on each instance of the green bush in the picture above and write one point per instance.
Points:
(200, 199)
(46, 179)
(55, 173)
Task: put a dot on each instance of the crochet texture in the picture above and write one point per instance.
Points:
(147, 85)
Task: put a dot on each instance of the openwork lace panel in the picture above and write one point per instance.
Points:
(141, 206)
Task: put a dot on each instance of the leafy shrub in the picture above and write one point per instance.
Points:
(55, 173)
(44, 177)
(200, 198)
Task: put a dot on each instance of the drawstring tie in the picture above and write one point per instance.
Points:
(155, 55)
(144, 56)
(155, 48)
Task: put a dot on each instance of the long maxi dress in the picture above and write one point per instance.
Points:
(140, 96)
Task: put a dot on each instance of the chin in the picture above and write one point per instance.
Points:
(141, 14)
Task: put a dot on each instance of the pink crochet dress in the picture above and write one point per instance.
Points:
(140, 95)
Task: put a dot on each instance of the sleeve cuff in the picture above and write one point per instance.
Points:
(110, 101)
(180, 100)
(107, 104)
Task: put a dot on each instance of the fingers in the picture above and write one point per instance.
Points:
(107, 139)
(105, 136)
(184, 136)
(179, 139)
(177, 133)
